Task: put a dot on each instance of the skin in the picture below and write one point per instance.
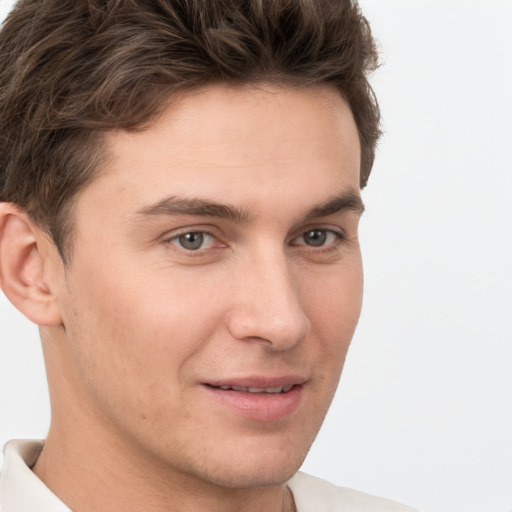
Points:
(136, 324)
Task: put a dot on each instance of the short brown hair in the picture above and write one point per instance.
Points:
(72, 69)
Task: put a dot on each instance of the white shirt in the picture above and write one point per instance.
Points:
(22, 491)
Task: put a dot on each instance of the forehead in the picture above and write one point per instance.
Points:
(266, 116)
(243, 143)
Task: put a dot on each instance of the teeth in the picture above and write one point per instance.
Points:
(265, 390)
(278, 389)
(274, 390)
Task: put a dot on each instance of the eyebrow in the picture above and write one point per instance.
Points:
(175, 205)
(348, 200)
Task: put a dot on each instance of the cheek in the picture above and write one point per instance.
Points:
(335, 301)
(334, 312)
(140, 331)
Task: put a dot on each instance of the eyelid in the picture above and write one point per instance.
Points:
(337, 232)
(171, 236)
(207, 239)
(176, 232)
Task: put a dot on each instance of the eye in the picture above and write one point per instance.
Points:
(318, 238)
(194, 240)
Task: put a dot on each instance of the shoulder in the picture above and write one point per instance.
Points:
(313, 494)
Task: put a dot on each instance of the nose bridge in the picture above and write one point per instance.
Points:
(267, 303)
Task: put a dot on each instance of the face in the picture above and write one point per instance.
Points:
(215, 282)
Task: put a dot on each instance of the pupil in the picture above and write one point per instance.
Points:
(315, 237)
(192, 241)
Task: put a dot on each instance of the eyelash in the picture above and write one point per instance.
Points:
(174, 240)
(340, 238)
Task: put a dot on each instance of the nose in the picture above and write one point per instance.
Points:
(266, 304)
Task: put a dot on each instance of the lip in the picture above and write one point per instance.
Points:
(258, 381)
(259, 406)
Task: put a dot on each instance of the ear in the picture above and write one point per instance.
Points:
(24, 253)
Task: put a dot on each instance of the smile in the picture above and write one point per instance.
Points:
(246, 389)
(259, 399)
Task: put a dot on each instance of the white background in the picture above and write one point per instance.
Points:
(424, 410)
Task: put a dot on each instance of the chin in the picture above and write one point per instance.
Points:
(255, 476)
(266, 467)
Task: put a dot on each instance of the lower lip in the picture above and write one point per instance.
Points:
(259, 406)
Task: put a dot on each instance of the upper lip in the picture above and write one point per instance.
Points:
(260, 382)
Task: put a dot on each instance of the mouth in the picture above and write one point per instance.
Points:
(258, 399)
(247, 389)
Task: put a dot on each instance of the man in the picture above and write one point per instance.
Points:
(180, 202)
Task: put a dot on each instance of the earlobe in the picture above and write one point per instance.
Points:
(22, 264)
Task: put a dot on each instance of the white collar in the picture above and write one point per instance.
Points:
(20, 489)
